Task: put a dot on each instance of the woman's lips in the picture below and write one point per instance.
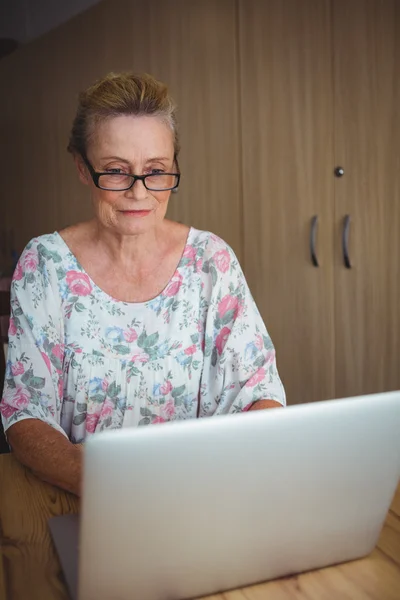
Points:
(135, 213)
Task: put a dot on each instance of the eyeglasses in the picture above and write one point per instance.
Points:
(119, 182)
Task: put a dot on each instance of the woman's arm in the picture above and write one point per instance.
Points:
(239, 371)
(263, 404)
(48, 453)
(33, 390)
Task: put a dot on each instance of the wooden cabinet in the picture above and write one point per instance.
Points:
(287, 154)
(318, 90)
(366, 40)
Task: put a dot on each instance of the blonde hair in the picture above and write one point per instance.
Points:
(121, 94)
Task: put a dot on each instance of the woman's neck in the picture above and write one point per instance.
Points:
(138, 252)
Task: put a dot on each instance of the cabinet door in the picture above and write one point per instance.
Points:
(367, 146)
(286, 124)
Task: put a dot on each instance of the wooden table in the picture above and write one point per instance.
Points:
(29, 569)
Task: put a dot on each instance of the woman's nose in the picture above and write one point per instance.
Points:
(138, 191)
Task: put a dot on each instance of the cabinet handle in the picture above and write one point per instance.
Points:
(346, 231)
(313, 234)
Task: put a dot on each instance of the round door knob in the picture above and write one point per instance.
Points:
(339, 171)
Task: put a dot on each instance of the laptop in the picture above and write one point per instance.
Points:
(185, 509)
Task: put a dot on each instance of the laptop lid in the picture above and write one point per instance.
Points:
(182, 510)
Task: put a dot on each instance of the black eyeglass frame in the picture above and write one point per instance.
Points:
(96, 176)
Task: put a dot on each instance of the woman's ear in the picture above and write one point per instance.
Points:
(82, 169)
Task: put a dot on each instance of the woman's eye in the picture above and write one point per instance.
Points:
(155, 171)
(114, 171)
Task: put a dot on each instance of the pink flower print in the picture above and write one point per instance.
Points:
(91, 422)
(166, 388)
(30, 260)
(130, 335)
(18, 273)
(270, 357)
(6, 410)
(47, 361)
(60, 387)
(190, 255)
(240, 308)
(248, 406)
(78, 283)
(168, 409)
(257, 377)
(222, 338)
(199, 265)
(222, 260)
(17, 368)
(191, 350)
(174, 285)
(12, 328)
(18, 397)
(94, 408)
(104, 385)
(228, 303)
(141, 358)
(108, 408)
(58, 351)
(157, 420)
(259, 342)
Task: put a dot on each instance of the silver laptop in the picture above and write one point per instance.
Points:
(182, 510)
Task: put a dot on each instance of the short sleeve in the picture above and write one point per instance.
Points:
(34, 381)
(239, 362)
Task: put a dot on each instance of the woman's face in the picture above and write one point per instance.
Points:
(134, 145)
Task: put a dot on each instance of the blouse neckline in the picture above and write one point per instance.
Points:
(111, 298)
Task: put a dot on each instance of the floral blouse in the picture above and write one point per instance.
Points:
(83, 362)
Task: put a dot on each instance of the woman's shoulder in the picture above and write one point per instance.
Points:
(46, 246)
(53, 247)
(74, 236)
(197, 243)
(215, 261)
(38, 257)
(212, 247)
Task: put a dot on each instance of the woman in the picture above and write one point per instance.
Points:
(128, 319)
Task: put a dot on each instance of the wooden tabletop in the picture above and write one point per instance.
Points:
(29, 567)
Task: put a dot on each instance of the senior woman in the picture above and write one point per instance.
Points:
(128, 319)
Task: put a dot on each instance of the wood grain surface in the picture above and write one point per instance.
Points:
(287, 154)
(29, 564)
(29, 567)
(366, 37)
